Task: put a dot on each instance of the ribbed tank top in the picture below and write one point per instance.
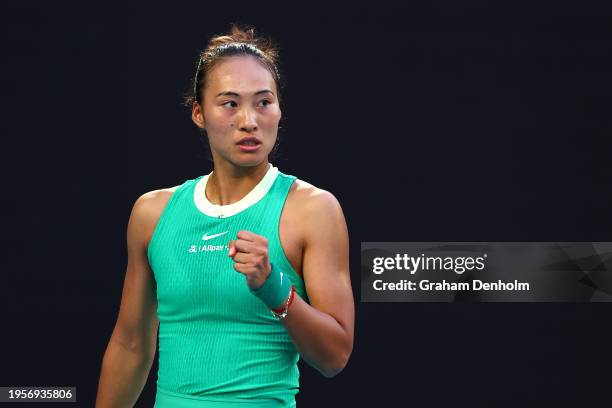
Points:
(217, 341)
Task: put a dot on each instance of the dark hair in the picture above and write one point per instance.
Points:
(239, 42)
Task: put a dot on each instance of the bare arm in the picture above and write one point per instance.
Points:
(131, 349)
(323, 331)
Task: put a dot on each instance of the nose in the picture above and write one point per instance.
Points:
(248, 121)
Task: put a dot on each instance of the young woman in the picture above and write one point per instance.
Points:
(244, 269)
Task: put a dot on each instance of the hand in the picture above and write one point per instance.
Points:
(250, 255)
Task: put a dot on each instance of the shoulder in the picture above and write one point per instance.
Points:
(312, 198)
(153, 201)
(318, 207)
(146, 211)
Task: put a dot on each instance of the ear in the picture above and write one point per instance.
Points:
(197, 115)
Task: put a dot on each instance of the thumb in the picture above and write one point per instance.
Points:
(232, 248)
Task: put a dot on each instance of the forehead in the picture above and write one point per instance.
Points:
(242, 74)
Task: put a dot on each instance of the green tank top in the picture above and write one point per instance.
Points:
(217, 341)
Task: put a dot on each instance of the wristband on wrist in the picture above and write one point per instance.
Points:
(275, 289)
(281, 312)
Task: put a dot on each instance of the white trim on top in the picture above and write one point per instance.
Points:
(221, 211)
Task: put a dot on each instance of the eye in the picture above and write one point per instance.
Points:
(264, 102)
(232, 104)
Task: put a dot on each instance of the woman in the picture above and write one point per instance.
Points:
(244, 269)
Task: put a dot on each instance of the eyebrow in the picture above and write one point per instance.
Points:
(231, 93)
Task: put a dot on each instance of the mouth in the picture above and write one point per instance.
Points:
(249, 144)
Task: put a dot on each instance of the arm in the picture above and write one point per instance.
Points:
(322, 331)
(131, 349)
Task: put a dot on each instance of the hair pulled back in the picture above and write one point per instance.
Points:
(238, 42)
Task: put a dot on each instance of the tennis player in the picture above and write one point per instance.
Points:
(244, 270)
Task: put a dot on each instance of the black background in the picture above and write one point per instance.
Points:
(442, 121)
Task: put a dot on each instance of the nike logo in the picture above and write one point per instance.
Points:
(206, 237)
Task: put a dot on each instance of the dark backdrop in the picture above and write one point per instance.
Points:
(444, 121)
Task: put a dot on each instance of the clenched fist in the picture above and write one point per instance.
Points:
(250, 254)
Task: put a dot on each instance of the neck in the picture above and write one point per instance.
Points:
(228, 183)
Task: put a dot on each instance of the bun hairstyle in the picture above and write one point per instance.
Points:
(238, 42)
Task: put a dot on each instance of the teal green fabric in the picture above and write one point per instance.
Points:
(166, 399)
(275, 290)
(217, 341)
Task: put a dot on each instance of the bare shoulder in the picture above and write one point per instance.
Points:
(146, 212)
(308, 201)
(156, 198)
(152, 203)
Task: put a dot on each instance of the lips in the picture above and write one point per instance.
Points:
(249, 144)
(249, 141)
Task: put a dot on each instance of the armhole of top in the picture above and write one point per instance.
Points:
(160, 223)
(283, 257)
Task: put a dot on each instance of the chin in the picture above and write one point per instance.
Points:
(249, 161)
(240, 159)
